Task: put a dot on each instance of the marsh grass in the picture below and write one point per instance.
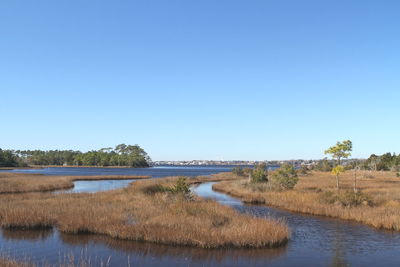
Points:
(377, 202)
(143, 212)
(67, 260)
(346, 198)
(7, 262)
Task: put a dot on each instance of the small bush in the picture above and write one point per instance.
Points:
(398, 174)
(238, 171)
(259, 176)
(350, 198)
(181, 186)
(346, 199)
(285, 177)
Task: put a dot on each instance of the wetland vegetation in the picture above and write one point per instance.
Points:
(376, 201)
(160, 211)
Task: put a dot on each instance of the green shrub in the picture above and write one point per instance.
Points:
(238, 171)
(346, 198)
(285, 177)
(398, 174)
(349, 198)
(181, 186)
(259, 174)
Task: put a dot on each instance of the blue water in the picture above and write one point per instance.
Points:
(98, 186)
(160, 171)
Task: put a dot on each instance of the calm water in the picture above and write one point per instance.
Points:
(161, 171)
(97, 186)
(315, 241)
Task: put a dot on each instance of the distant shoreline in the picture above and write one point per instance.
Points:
(34, 167)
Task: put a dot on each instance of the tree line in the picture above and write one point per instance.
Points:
(121, 155)
(386, 162)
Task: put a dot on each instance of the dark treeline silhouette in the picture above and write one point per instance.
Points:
(8, 159)
(121, 155)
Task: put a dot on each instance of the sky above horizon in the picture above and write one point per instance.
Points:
(218, 80)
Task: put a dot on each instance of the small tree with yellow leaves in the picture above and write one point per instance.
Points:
(342, 150)
(337, 171)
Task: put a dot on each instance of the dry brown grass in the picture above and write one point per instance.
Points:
(24, 183)
(131, 214)
(383, 188)
(68, 261)
(5, 262)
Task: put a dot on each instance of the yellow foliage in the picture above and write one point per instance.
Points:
(338, 170)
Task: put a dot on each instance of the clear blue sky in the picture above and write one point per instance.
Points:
(201, 79)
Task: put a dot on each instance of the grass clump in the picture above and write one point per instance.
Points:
(181, 187)
(154, 189)
(347, 198)
(257, 187)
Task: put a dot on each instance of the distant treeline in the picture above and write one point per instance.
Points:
(121, 155)
(385, 162)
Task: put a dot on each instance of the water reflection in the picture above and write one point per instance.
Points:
(30, 235)
(98, 186)
(146, 249)
(55, 246)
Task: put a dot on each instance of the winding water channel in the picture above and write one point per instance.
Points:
(315, 241)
